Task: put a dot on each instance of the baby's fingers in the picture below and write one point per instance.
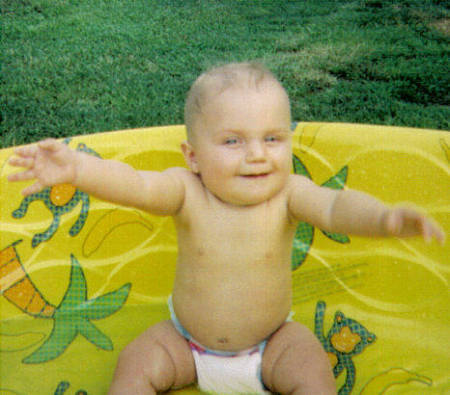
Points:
(27, 151)
(49, 145)
(22, 176)
(19, 161)
(430, 230)
(34, 188)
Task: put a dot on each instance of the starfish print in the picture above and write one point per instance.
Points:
(73, 315)
(304, 233)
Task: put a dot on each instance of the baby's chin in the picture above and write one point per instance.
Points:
(247, 199)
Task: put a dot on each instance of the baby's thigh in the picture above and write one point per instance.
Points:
(294, 361)
(160, 354)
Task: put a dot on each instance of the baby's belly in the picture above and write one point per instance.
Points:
(235, 310)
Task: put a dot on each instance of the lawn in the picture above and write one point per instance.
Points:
(75, 67)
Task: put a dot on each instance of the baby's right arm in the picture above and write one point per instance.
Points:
(50, 162)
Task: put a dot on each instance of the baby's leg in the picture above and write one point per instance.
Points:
(158, 360)
(294, 362)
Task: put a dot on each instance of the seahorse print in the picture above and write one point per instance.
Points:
(344, 340)
(59, 199)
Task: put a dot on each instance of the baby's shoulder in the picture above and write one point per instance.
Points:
(190, 180)
(194, 192)
(178, 171)
(298, 181)
(183, 174)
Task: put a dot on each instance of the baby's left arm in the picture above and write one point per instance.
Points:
(353, 212)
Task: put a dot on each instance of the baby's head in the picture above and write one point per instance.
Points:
(219, 79)
(239, 141)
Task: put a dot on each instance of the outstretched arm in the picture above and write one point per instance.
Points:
(353, 212)
(50, 162)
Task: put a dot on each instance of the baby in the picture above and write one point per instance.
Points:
(236, 211)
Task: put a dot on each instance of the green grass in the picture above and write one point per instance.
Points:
(74, 67)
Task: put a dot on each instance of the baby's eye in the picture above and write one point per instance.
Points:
(271, 139)
(231, 141)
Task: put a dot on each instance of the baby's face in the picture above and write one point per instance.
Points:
(242, 147)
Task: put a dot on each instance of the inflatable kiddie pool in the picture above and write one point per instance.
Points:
(80, 278)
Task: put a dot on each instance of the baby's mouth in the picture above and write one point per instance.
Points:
(255, 176)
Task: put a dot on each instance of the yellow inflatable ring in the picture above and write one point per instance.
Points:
(380, 307)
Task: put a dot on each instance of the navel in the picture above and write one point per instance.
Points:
(268, 255)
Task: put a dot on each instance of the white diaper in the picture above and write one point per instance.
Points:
(221, 372)
(237, 374)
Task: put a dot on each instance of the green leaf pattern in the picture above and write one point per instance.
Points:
(304, 233)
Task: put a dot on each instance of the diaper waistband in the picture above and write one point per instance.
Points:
(205, 350)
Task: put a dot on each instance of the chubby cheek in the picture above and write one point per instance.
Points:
(221, 162)
(214, 169)
(284, 160)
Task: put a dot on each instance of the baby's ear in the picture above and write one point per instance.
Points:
(189, 156)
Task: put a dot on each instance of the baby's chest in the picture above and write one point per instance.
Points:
(218, 226)
(256, 236)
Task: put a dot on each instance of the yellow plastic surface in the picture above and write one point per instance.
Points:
(70, 303)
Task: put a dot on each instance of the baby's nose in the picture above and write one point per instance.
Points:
(256, 151)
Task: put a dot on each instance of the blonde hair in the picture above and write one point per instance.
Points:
(216, 81)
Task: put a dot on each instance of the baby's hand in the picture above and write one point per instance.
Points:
(48, 162)
(405, 222)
